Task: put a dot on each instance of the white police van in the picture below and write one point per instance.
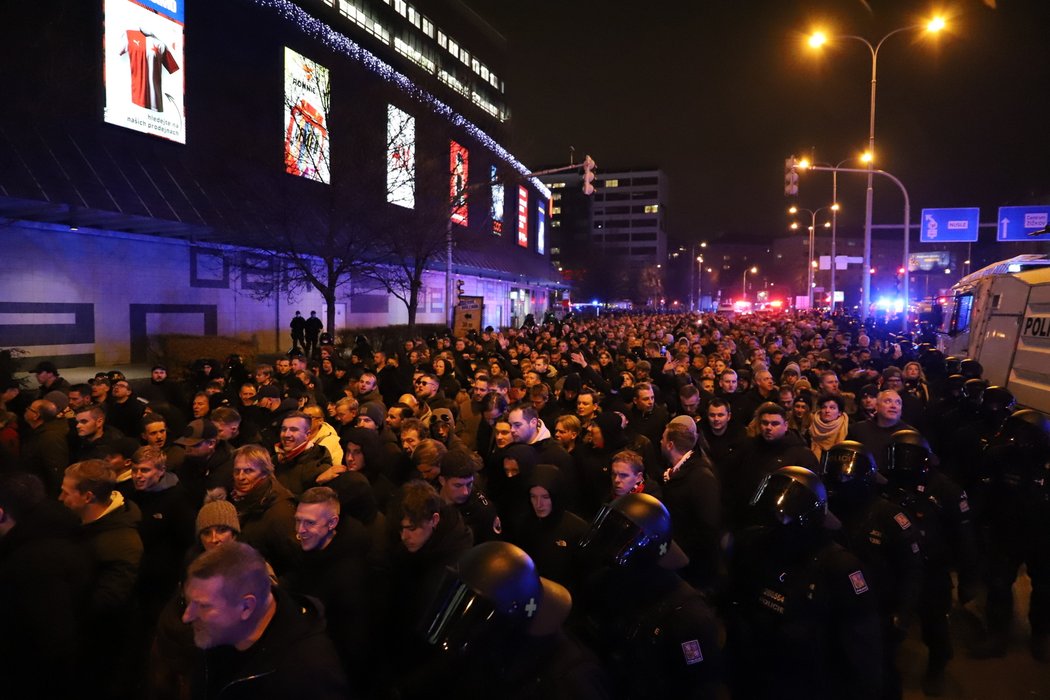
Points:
(1000, 316)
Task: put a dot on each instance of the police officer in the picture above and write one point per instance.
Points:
(804, 622)
(940, 510)
(1019, 518)
(656, 633)
(496, 626)
(883, 538)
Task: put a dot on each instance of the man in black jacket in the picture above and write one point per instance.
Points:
(46, 448)
(259, 642)
(44, 580)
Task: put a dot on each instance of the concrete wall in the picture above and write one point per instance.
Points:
(90, 297)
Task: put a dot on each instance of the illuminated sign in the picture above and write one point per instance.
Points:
(459, 164)
(523, 217)
(144, 67)
(307, 95)
(929, 260)
(497, 203)
(540, 220)
(401, 157)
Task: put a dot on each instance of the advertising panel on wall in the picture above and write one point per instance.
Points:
(307, 97)
(401, 157)
(523, 217)
(541, 217)
(497, 202)
(459, 165)
(143, 66)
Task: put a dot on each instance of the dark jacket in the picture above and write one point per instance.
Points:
(754, 460)
(301, 471)
(45, 453)
(553, 541)
(267, 515)
(692, 495)
(293, 658)
(116, 551)
(338, 576)
(167, 531)
(44, 584)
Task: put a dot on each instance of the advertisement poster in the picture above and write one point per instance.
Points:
(497, 203)
(401, 157)
(459, 164)
(523, 217)
(144, 67)
(541, 217)
(307, 95)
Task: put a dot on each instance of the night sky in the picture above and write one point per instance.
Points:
(719, 92)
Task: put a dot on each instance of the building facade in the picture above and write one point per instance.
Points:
(182, 167)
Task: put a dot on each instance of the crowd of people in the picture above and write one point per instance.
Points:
(622, 507)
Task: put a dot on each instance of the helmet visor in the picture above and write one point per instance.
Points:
(613, 537)
(459, 617)
(841, 465)
(903, 459)
(783, 501)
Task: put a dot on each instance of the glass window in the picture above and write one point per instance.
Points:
(611, 183)
(428, 27)
(442, 39)
(961, 315)
(453, 47)
(652, 208)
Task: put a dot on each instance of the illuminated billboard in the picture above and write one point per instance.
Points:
(401, 157)
(143, 67)
(541, 217)
(523, 217)
(307, 96)
(497, 203)
(459, 165)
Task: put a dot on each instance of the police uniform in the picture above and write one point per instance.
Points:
(804, 620)
(480, 514)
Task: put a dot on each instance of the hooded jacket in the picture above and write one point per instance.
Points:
(267, 517)
(553, 541)
(116, 551)
(167, 531)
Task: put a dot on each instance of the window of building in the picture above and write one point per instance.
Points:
(643, 237)
(556, 195)
(428, 27)
(652, 208)
(401, 6)
(555, 251)
(555, 224)
(442, 39)
(610, 183)
(464, 56)
(556, 210)
(484, 73)
(638, 181)
(453, 47)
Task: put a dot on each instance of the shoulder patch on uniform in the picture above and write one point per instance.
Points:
(859, 584)
(902, 520)
(964, 505)
(497, 526)
(691, 652)
(915, 547)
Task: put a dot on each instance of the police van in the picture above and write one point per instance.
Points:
(1000, 316)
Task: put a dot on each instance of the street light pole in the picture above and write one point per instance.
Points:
(907, 225)
(753, 269)
(933, 26)
(812, 235)
(700, 282)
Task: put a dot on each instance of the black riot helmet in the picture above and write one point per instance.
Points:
(492, 591)
(791, 496)
(635, 528)
(973, 392)
(848, 461)
(1027, 429)
(996, 403)
(908, 458)
(953, 386)
(971, 368)
(951, 364)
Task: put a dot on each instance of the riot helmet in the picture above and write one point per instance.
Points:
(848, 461)
(791, 496)
(493, 590)
(973, 392)
(953, 386)
(1027, 429)
(908, 458)
(951, 364)
(971, 368)
(634, 528)
(997, 403)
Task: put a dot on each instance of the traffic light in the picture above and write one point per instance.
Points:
(588, 175)
(900, 276)
(790, 177)
(459, 289)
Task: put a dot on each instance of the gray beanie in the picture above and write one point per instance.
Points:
(218, 513)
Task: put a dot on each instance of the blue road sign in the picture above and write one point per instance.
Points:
(950, 225)
(1015, 223)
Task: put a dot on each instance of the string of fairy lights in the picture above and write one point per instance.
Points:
(340, 43)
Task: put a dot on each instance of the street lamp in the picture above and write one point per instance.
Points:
(753, 269)
(812, 233)
(818, 39)
(700, 281)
